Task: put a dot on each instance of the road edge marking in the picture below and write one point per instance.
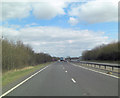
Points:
(22, 82)
(96, 71)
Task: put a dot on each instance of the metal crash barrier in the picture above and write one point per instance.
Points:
(99, 65)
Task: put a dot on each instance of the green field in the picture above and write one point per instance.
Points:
(13, 75)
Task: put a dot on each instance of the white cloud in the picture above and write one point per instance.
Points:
(43, 0)
(15, 10)
(12, 32)
(32, 24)
(92, 11)
(57, 41)
(73, 21)
(41, 10)
(48, 10)
(96, 11)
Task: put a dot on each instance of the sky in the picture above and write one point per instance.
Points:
(60, 28)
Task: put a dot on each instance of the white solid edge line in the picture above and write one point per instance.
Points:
(73, 80)
(95, 71)
(22, 82)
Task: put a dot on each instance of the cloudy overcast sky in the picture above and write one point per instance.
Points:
(60, 28)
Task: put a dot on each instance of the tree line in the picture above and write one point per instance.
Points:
(17, 55)
(103, 52)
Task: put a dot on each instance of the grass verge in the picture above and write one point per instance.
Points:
(13, 75)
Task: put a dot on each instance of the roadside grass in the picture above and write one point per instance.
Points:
(13, 75)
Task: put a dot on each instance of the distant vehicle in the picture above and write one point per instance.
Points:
(61, 59)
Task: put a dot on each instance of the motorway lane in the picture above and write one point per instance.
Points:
(64, 79)
(95, 84)
(53, 81)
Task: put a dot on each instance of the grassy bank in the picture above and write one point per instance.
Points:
(13, 75)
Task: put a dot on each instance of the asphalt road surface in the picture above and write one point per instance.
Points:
(65, 79)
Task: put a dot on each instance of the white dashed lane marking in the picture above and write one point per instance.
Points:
(73, 80)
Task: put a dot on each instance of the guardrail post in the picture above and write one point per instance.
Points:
(112, 68)
(96, 66)
(105, 67)
(99, 66)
